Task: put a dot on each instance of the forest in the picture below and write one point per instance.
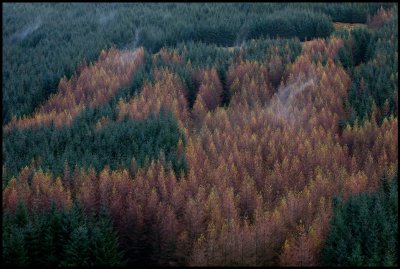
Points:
(200, 134)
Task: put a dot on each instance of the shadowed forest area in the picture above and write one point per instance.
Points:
(200, 134)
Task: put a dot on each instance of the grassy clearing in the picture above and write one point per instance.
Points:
(348, 26)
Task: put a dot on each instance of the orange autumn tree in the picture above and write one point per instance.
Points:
(38, 194)
(251, 80)
(94, 86)
(261, 172)
(167, 92)
(210, 89)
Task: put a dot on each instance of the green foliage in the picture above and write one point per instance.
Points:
(105, 242)
(346, 12)
(262, 49)
(115, 144)
(356, 48)
(60, 238)
(290, 23)
(92, 242)
(364, 229)
(14, 249)
(78, 248)
(43, 42)
(372, 61)
(21, 215)
(204, 56)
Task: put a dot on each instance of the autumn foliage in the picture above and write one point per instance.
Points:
(93, 86)
(262, 171)
(166, 93)
(379, 19)
(37, 189)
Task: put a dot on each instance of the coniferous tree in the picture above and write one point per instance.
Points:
(78, 249)
(105, 242)
(368, 236)
(14, 248)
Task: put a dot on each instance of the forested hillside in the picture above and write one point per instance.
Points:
(201, 134)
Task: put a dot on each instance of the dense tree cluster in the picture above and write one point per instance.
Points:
(372, 59)
(364, 228)
(246, 199)
(33, 34)
(94, 85)
(59, 238)
(204, 146)
(167, 93)
(346, 12)
(92, 143)
(289, 23)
